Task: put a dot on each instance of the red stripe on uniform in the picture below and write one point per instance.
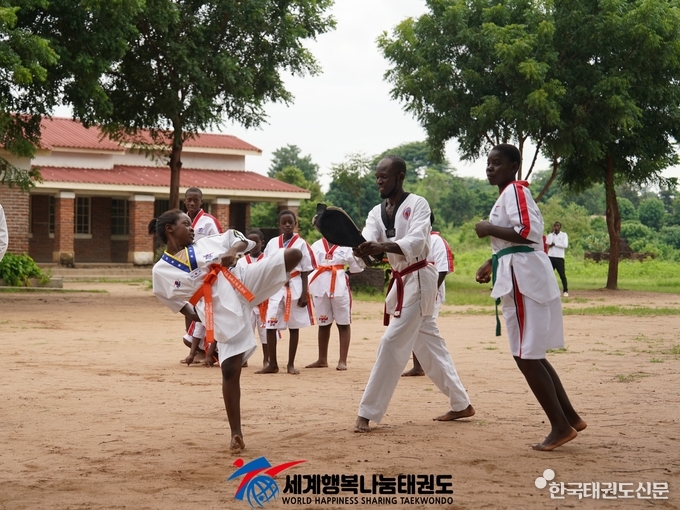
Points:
(311, 256)
(519, 310)
(523, 210)
(217, 223)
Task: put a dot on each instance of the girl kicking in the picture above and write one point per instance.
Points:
(290, 308)
(191, 278)
(523, 279)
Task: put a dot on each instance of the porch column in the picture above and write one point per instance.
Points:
(63, 251)
(140, 243)
(220, 210)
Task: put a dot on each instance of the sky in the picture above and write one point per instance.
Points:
(347, 108)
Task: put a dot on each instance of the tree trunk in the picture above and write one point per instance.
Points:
(613, 225)
(175, 167)
(555, 166)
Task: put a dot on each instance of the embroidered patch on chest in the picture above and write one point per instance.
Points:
(208, 256)
(178, 284)
(407, 213)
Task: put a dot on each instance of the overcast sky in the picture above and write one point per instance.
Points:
(347, 108)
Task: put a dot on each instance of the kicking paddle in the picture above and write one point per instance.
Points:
(338, 228)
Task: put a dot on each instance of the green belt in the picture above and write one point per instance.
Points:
(494, 269)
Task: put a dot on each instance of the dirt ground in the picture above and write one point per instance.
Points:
(97, 412)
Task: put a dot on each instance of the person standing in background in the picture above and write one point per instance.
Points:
(4, 237)
(558, 241)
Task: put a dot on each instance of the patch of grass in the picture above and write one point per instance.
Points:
(491, 348)
(634, 311)
(656, 360)
(675, 350)
(561, 350)
(631, 377)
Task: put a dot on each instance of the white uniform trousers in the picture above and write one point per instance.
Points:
(410, 332)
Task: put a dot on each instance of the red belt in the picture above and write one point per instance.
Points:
(334, 273)
(205, 292)
(397, 276)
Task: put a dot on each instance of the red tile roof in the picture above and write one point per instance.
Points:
(152, 176)
(62, 132)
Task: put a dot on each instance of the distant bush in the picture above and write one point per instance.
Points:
(627, 209)
(17, 269)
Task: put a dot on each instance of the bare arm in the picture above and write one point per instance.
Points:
(374, 248)
(302, 302)
(442, 277)
(190, 312)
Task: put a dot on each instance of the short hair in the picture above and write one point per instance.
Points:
(510, 151)
(193, 190)
(157, 225)
(396, 162)
(257, 232)
(557, 223)
(283, 213)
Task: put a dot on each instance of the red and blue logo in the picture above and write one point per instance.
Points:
(407, 213)
(258, 486)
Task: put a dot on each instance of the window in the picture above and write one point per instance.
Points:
(119, 217)
(160, 206)
(50, 218)
(83, 208)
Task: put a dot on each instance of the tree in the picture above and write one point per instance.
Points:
(627, 209)
(290, 156)
(418, 158)
(55, 51)
(24, 58)
(652, 213)
(194, 63)
(353, 186)
(478, 72)
(621, 63)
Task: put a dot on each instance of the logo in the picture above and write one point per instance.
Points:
(200, 230)
(208, 256)
(178, 284)
(272, 321)
(258, 486)
(323, 318)
(601, 490)
(407, 213)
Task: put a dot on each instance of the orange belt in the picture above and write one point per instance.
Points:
(205, 292)
(262, 308)
(334, 273)
(289, 297)
(397, 277)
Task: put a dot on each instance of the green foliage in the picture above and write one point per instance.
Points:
(477, 72)
(418, 158)
(652, 212)
(17, 269)
(671, 236)
(307, 209)
(263, 214)
(290, 156)
(353, 187)
(627, 209)
(635, 232)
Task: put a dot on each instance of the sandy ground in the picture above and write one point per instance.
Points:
(97, 412)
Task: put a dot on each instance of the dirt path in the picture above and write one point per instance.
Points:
(96, 411)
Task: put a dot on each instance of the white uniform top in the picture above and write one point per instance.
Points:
(516, 208)
(561, 241)
(412, 234)
(442, 258)
(327, 255)
(205, 225)
(306, 264)
(4, 236)
(175, 282)
(244, 262)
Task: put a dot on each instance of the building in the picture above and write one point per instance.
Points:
(97, 196)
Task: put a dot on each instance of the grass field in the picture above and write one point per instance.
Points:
(649, 276)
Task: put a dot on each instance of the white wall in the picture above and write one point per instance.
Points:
(74, 160)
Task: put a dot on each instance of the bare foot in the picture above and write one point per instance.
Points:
(579, 425)
(455, 415)
(555, 439)
(318, 364)
(414, 372)
(361, 425)
(269, 369)
(292, 370)
(237, 443)
(341, 365)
